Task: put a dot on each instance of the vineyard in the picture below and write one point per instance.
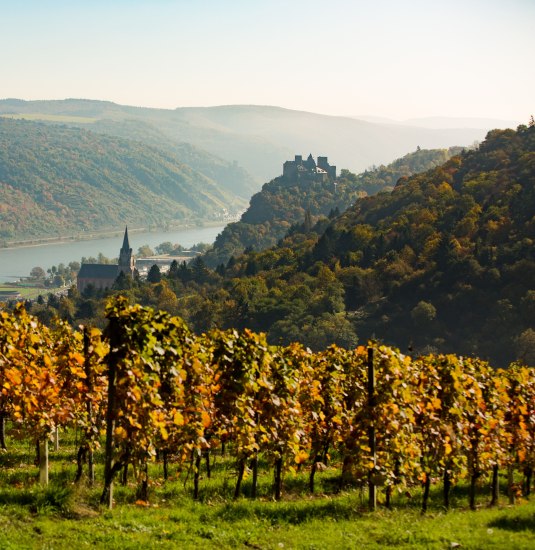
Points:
(147, 390)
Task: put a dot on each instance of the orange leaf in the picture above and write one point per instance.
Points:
(13, 376)
(78, 357)
(206, 420)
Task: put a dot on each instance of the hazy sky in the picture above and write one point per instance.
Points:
(392, 58)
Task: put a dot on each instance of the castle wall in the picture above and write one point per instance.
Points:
(298, 169)
(289, 169)
(323, 163)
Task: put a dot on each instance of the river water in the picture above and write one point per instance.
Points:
(18, 262)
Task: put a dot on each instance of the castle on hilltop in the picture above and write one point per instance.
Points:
(299, 169)
(102, 276)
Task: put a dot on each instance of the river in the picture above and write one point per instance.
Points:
(18, 262)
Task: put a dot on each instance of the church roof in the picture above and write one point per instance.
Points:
(98, 271)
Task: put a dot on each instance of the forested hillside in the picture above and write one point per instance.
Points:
(57, 179)
(446, 262)
(282, 205)
(229, 175)
(384, 178)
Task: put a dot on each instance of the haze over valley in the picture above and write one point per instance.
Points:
(258, 138)
(203, 163)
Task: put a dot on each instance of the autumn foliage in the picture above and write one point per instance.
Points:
(149, 388)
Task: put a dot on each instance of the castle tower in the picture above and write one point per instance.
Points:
(323, 163)
(310, 163)
(126, 260)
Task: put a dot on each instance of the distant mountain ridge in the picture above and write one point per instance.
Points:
(443, 122)
(258, 138)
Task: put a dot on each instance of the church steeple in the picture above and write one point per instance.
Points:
(126, 244)
(126, 260)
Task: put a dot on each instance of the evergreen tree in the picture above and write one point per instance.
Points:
(173, 270)
(122, 282)
(154, 275)
(199, 270)
(184, 273)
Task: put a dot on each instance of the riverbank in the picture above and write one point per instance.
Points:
(105, 234)
(17, 262)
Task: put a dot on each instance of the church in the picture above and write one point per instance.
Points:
(102, 276)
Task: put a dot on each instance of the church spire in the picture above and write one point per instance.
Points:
(126, 244)
(126, 260)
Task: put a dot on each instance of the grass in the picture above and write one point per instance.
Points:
(27, 292)
(63, 515)
(306, 524)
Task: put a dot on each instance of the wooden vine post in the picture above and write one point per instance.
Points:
(89, 405)
(56, 438)
(109, 467)
(372, 495)
(43, 461)
(3, 446)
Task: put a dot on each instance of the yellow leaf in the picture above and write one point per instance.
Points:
(178, 419)
(78, 372)
(120, 432)
(302, 456)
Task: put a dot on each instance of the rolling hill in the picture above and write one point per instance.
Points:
(55, 179)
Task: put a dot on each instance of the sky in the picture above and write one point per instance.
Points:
(390, 58)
